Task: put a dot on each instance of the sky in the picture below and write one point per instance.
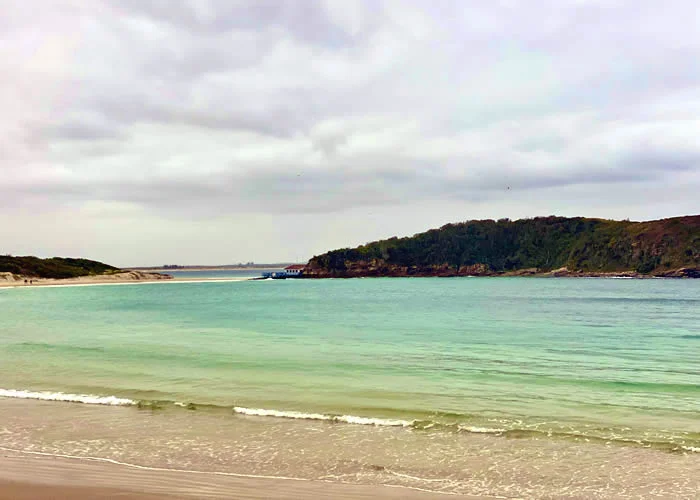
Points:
(142, 132)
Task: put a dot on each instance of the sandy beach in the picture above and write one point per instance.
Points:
(306, 388)
(10, 280)
(25, 476)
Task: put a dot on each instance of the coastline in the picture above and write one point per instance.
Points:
(489, 409)
(8, 280)
(143, 454)
(27, 476)
(205, 268)
(485, 272)
(18, 281)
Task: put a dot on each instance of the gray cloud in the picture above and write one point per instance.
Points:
(208, 109)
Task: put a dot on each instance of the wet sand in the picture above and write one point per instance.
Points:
(217, 454)
(33, 476)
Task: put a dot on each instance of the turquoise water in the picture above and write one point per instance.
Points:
(218, 273)
(597, 359)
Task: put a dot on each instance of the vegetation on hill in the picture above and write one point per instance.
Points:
(542, 244)
(55, 267)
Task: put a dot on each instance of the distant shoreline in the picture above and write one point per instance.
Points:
(134, 277)
(126, 277)
(682, 273)
(558, 246)
(262, 267)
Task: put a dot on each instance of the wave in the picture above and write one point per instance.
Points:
(68, 398)
(349, 419)
(528, 432)
(378, 422)
(480, 430)
(512, 433)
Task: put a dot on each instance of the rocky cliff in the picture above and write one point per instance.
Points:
(543, 246)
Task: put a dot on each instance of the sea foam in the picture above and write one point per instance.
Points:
(349, 419)
(69, 398)
(480, 430)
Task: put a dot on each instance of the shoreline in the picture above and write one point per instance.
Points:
(533, 276)
(203, 269)
(26, 475)
(96, 281)
(8, 280)
(116, 283)
(682, 273)
(209, 455)
(125, 278)
(416, 422)
(20, 281)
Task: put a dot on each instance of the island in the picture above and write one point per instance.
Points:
(541, 246)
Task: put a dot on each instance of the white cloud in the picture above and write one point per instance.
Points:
(205, 118)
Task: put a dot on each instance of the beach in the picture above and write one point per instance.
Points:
(31, 477)
(214, 454)
(418, 388)
(132, 278)
(9, 280)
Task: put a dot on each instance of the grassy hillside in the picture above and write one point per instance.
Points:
(55, 267)
(542, 243)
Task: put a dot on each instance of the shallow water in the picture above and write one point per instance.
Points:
(222, 442)
(217, 273)
(447, 375)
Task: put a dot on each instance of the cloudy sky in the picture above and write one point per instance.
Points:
(149, 132)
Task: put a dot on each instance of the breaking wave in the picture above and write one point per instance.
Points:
(417, 424)
(69, 398)
(349, 419)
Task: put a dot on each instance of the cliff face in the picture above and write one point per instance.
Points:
(554, 246)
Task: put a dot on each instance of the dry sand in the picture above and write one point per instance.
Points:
(9, 280)
(33, 476)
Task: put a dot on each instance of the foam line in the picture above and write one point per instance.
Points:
(349, 419)
(70, 398)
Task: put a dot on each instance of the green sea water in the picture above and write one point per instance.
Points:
(609, 360)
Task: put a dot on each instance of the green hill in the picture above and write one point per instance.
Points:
(668, 247)
(55, 267)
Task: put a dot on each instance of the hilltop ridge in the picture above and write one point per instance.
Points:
(555, 246)
(54, 267)
(15, 271)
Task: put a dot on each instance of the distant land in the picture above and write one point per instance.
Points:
(543, 246)
(204, 267)
(18, 270)
(54, 268)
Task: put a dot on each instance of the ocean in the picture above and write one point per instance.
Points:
(216, 274)
(508, 387)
